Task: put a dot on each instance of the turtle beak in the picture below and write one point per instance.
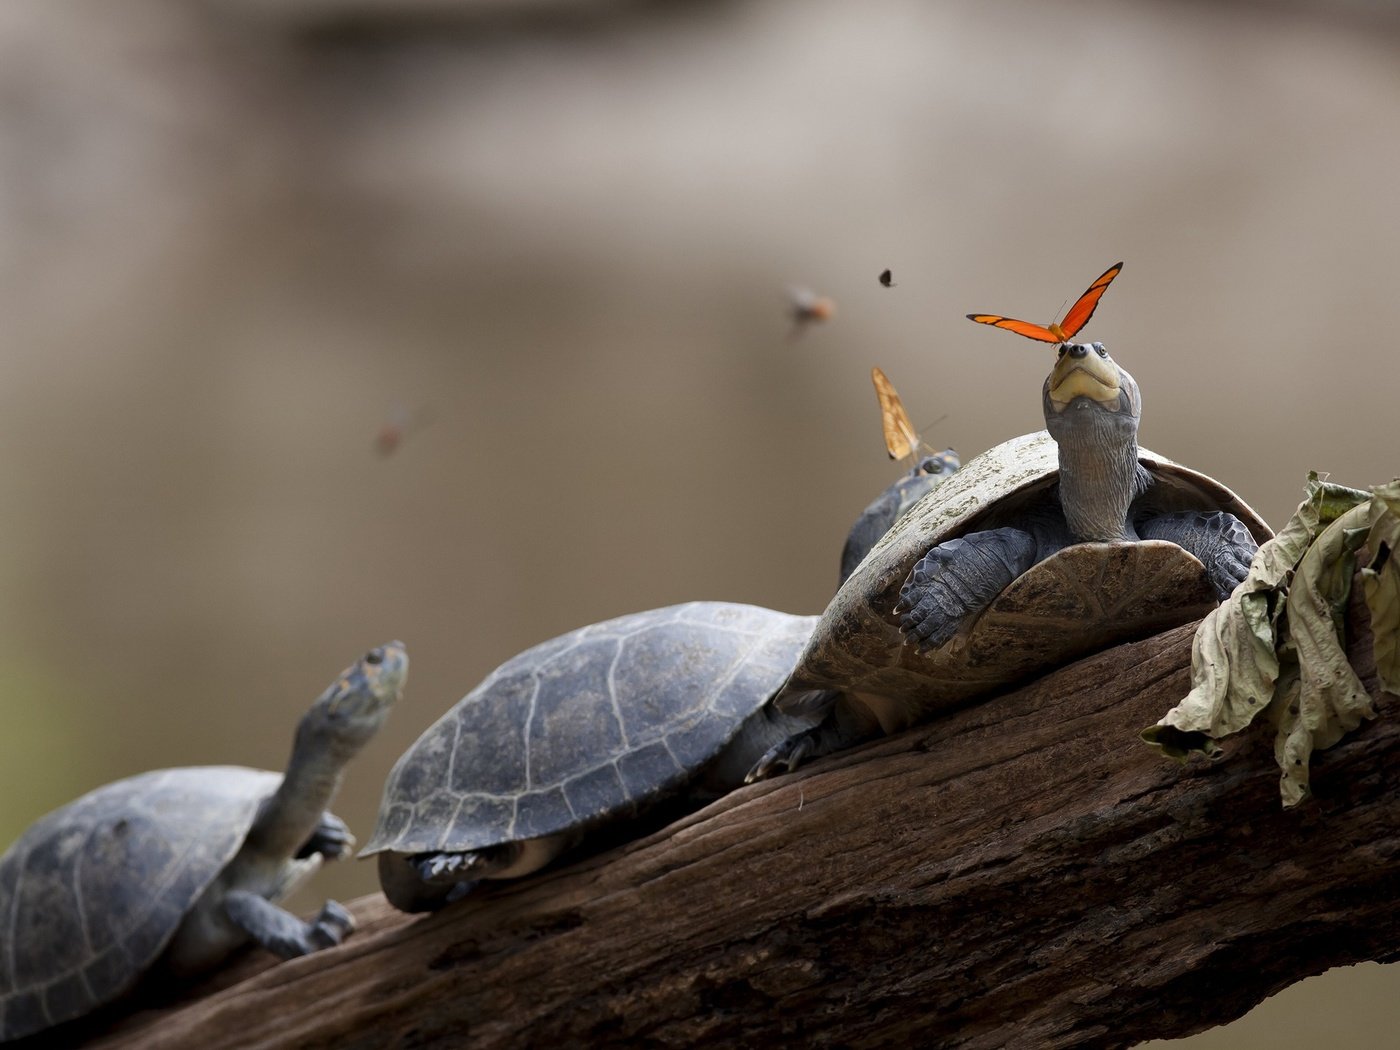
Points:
(373, 682)
(1083, 370)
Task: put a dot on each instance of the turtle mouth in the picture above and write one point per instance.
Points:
(1090, 375)
(370, 686)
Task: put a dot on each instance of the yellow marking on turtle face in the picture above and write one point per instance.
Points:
(340, 689)
(1089, 376)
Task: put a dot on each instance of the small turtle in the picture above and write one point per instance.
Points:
(591, 728)
(596, 727)
(178, 867)
(1043, 549)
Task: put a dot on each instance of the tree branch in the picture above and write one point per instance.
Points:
(1024, 873)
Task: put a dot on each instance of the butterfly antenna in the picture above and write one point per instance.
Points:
(924, 446)
(926, 428)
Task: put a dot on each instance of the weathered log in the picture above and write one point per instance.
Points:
(1024, 873)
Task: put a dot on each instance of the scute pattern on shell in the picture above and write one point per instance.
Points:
(91, 893)
(857, 646)
(587, 726)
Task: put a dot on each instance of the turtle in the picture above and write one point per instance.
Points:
(1041, 550)
(892, 504)
(167, 872)
(596, 728)
(591, 729)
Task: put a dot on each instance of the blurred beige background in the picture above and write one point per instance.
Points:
(237, 236)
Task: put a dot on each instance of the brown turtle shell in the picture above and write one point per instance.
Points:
(1079, 600)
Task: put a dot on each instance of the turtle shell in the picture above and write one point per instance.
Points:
(1079, 600)
(91, 893)
(587, 727)
(889, 506)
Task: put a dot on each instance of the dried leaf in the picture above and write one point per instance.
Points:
(1322, 504)
(1278, 643)
(1331, 699)
(1389, 496)
(1381, 583)
(1233, 669)
(1382, 590)
(1233, 660)
(1291, 747)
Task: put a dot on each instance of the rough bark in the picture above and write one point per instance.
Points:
(1024, 873)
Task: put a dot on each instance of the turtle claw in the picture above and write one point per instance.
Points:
(783, 757)
(331, 839)
(440, 868)
(331, 926)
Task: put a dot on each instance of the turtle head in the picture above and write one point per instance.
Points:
(1086, 379)
(937, 464)
(1092, 408)
(347, 714)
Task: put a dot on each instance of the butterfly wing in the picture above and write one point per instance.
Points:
(1025, 328)
(900, 437)
(1084, 306)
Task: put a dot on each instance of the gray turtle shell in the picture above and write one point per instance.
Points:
(587, 727)
(91, 893)
(1078, 600)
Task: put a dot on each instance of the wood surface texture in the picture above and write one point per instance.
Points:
(1024, 873)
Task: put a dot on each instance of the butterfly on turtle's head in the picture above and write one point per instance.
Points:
(1077, 317)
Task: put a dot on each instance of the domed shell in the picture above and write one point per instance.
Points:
(892, 504)
(1079, 600)
(91, 893)
(587, 726)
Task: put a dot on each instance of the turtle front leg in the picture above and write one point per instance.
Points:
(281, 932)
(1221, 542)
(331, 839)
(958, 579)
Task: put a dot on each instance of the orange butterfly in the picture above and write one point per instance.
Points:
(1077, 318)
(901, 439)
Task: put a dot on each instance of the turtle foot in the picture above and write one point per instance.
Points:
(448, 869)
(930, 607)
(281, 932)
(331, 926)
(783, 757)
(331, 839)
(1219, 540)
(958, 579)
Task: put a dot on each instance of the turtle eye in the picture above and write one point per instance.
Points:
(1102, 352)
(1062, 350)
(374, 657)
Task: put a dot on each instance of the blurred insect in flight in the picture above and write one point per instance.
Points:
(887, 278)
(399, 425)
(806, 306)
(1077, 317)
